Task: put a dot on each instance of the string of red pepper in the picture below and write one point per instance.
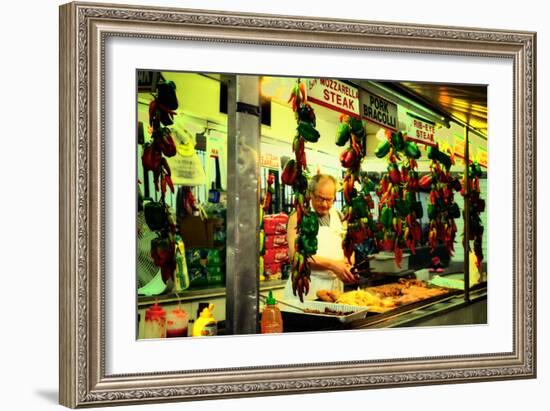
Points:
(477, 206)
(358, 203)
(398, 210)
(442, 210)
(295, 175)
(269, 191)
(265, 207)
(157, 213)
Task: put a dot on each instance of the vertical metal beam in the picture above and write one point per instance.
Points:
(467, 218)
(243, 182)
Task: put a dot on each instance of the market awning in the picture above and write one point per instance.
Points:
(465, 104)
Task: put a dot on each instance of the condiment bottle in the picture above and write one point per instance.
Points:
(206, 324)
(155, 322)
(213, 194)
(272, 320)
(177, 321)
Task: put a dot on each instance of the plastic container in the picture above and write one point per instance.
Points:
(276, 255)
(198, 276)
(215, 274)
(214, 258)
(205, 325)
(272, 320)
(273, 269)
(275, 224)
(423, 275)
(155, 322)
(384, 262)
(276, 241)
(177, 322)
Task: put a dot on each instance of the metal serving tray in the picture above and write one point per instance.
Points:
(356, 312)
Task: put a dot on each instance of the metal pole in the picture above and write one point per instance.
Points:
(243, 201)
(467, 218)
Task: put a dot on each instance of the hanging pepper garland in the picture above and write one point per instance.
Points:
(157, 213)
(269, 192)
(477, 206)
(398, 209)
(264, 208)
(442, 210)
(408, 205)
(295, 175)
(358, 203)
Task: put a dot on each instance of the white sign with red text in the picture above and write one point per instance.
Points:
(335, 95)
(379, 110)
(270, 160)
(421, 132)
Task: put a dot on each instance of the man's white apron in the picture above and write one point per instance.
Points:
(329, 245)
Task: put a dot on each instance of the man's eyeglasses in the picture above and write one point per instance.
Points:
(321, 199)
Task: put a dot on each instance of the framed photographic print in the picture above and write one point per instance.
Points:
(339, 204)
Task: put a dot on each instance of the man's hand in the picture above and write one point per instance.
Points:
(343, 270)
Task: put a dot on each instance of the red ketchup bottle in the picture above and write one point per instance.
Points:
(272, 320)
(155, 322)
(177, 321)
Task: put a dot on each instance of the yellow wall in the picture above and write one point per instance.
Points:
(199, 102)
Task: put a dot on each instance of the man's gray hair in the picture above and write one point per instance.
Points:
(317, 179)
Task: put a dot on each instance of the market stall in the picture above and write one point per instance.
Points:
(409, 246)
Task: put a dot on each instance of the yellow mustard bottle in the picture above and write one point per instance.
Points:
(206, 324)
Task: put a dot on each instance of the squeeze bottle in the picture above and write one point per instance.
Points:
(272, 320)
(206, 324)
(155, 322)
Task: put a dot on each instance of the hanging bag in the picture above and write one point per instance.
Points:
(185, 165)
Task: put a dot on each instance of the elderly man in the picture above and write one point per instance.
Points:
(329, 270)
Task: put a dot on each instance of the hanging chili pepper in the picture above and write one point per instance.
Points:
(295, 175)
(393, 172)
(269, 191)
(309, 225)
(343, 133)
(290, 173)
(158, 216)
(167, 145)
(357, 212)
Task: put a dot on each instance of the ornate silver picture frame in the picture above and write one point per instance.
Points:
(84, 30)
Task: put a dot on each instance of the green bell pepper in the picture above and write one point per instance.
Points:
(308, 132)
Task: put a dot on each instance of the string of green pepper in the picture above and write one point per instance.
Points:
(477, 206)
(442, 209)
(399, 211)
(157, 213)
(295, 175)
(358, 203)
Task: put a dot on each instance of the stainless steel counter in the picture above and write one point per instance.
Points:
(201, 293)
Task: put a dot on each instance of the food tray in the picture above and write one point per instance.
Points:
(384, 262)
(356, 311)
